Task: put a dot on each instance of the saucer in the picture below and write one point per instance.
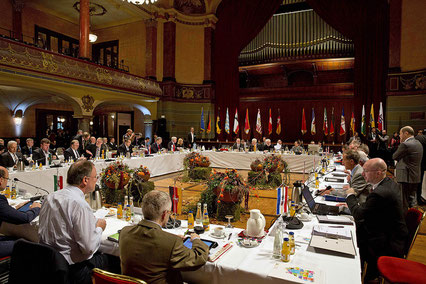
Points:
(245, 234)
(252, 243)
(217, 237)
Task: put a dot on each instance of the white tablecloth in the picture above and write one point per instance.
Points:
(163, 164)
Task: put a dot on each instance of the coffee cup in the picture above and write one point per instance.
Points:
(218, 231)
(304, 216)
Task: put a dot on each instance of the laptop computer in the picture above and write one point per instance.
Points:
(318, 208)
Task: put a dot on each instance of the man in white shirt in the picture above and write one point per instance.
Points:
(67, 223)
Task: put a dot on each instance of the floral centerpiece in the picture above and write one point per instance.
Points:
(197, 166)
(256, 165)
(139, 185)
(231, 188)
(274, 163)
(113, 180)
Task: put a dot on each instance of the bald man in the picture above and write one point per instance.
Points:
(381, 228)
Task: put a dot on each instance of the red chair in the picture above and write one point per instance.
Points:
(413, 218)
(399, 270)
(100, 276)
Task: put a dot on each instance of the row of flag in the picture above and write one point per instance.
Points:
(342, 131)
(328, 129)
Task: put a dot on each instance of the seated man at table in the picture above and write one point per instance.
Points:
(381, 228)
(72, 152)
(96, 149)
(68, 225)
(254, 146)
(29, 148)
(156, 147)
(42, 154)
(172, 146)
(297, 149)
(267, 146)
(153, 255)
(11, 215)
(111, 144)
(125, 148)
(279, 145)
(11, 156)
(356, 179)
(237, 145)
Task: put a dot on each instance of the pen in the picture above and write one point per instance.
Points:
(229, 236)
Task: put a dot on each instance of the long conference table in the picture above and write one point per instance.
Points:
(161, 164)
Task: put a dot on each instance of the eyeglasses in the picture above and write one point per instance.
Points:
(96, 177)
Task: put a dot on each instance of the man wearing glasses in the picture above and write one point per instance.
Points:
(381, 228)
(12, 215)
(67, 223)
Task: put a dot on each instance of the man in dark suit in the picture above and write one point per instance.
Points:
(172, 144)
(156, 147)
(29, 148)
(2, 148)
(191, 138)
(254, 146)
(372, 142)
(171, 256)
(138, 141)
(267, 146)
(85, 141)
(381, 228)
(11, 157)
(12, 215)
(237, 145)
(408, 156)
(111, 144)
(72, 151)
(96, 150)
(421, 198)
(125, 148)
(42, 154)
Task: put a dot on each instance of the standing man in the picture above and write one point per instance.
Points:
(421, 198)
(382, 147)
(191, 138)
(11, 215)
(381, 228)
(68, 225)
(11, 157)
(172, 144)
(29, 148)
(129, 135)
(372, 142)
(408, 156)
(153, 255)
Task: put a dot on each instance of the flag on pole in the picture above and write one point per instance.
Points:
(176, 199)
(372, 124)
(209, 124)
(380, 119)
(247, 123)
(325, 124)
(342, 123)
(270, 123)
(332, 122)
(279, 123)
(282, 199)
(353, 123)
(303, 122)
(363, 132)
(227, 128)
(218, 130)
(258, 123)
(236, 123)
(202, 127)
(58, 182)
(313, 125)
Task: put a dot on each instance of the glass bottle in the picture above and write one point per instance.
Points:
(190, 220)
(132, 207)
(119, 211)
(278, 243)
(13, 192)
(206, 222)
(292, 243)
(7, 192)
(128, 213)
(199, 217)
(285, 251)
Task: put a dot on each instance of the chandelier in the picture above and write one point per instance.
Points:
(140, 2)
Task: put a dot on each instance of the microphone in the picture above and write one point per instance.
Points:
(37, 187)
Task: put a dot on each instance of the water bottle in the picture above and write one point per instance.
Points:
(278, 243)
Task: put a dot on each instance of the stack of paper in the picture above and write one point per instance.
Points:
(338, 232)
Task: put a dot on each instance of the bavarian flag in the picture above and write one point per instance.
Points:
(202, 127)
(363, 132)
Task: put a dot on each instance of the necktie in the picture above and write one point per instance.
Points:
(76, 154)
(15, 158)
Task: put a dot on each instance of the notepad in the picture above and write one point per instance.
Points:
(338, 232)
(334, 219)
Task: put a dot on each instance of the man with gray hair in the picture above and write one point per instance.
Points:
(254, 146)
(153, 255)
(408, 156)
(172, 144)
(11, 157)
(68, 225)
(381, 228)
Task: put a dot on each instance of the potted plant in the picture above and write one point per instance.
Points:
(113, 180)
(197, 166)
(256, 165)
(231, 187)
(139, 185)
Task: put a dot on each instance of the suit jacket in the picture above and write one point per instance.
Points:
(169, 146)
(27, 151)
(137, 244)
(190, 140)
(69, 153)
(7, 160)
(123, 151)
(409, 156)
(251, 148)
(380, 220)
(111, 146)
(358, 183)
(268, 148)
(237, 147)
(40, 157)
(92, 149)
(155, 148)
(383, 142)
(13, 216)
(422, 140)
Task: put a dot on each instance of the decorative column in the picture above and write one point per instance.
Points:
(147, 121)
(84, 122)
(84, 29)
(151, 49)
(169, 50)
(17, 6)
(208, 40)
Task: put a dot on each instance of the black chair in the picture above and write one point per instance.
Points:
(36, 261)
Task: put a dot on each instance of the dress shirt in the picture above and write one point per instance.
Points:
(67, 224)
(376, 185)
(76, 154)
(14, 157)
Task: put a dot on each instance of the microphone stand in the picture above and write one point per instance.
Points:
(34, 186)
